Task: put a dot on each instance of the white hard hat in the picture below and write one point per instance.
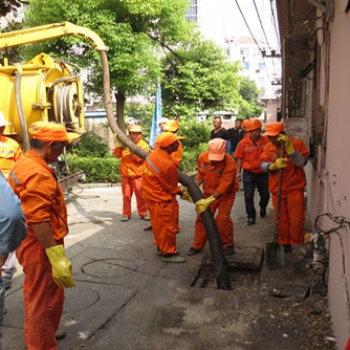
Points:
(3, 121)
(162, 120)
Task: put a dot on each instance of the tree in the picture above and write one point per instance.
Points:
(198, 77)
(249, 105)
(134, 30)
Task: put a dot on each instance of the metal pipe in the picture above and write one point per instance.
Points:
(20, 111)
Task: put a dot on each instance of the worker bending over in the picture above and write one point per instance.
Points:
(217, 175)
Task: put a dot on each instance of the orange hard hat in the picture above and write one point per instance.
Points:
(253, 124)
(48, 131)
(135, 128)
(274, 129)
(171, 125)
(166, 139)
(217, 149)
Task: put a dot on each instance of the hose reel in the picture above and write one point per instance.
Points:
(67, 105)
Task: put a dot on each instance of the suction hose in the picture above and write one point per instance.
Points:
(208, 220)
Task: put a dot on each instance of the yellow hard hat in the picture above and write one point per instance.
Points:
(135, 128)
(171, 125)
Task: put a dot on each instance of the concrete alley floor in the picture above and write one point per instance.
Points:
(127, 298)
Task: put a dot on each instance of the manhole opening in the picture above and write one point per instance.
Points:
(238, 277)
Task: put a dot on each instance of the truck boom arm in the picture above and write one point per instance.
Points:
(50, 31)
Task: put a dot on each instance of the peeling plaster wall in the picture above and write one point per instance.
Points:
(328, 180)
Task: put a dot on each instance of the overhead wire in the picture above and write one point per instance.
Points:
(253, 37)
(261, 49)
(250, 31)
(261, 25)
(267, 42)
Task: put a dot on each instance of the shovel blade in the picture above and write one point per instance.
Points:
(274, 256)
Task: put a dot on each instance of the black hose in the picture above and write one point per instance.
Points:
(196, 194)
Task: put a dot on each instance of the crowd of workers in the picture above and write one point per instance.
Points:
(34, 217)
(239, 153)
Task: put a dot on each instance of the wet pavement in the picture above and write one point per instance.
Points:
(127, 298)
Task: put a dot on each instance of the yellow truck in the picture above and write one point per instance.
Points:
(43, 89)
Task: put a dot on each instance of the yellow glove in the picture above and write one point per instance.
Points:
(61, 266)
(278, 164)
(118, 142)
(203, 204)
(186, 195)
(287, 144)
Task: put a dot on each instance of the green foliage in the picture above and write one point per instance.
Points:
(249, 105)
(197, 78)
(96, 169)
(142, 113)
(190, 155)
(134, 31)
(90, 145)
(195, 133)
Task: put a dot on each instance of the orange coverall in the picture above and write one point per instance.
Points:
(10, 153)
(159, 188)
(43, 201)
(292, 210)
(250, 153)
(131, 170)
(220, 177)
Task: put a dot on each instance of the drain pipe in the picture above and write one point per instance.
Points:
(208, 220)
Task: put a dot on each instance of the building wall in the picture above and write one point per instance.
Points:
(328, 179)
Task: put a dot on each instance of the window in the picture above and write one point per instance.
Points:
(192, 13)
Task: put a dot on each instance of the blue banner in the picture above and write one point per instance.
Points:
(157, 117)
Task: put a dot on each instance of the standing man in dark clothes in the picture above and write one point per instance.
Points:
(236, 134)
(220, 132)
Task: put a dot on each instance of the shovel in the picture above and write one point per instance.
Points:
(275, 251)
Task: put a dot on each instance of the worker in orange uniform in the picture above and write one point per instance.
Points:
(173, 126)
(131, 169)
(291, 155)
(160, 187)
(217, 174)
(47, 271)
(247, 155)
(10, 153)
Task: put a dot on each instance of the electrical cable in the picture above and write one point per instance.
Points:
(256, 42)
(261, 25)
(250, 31)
